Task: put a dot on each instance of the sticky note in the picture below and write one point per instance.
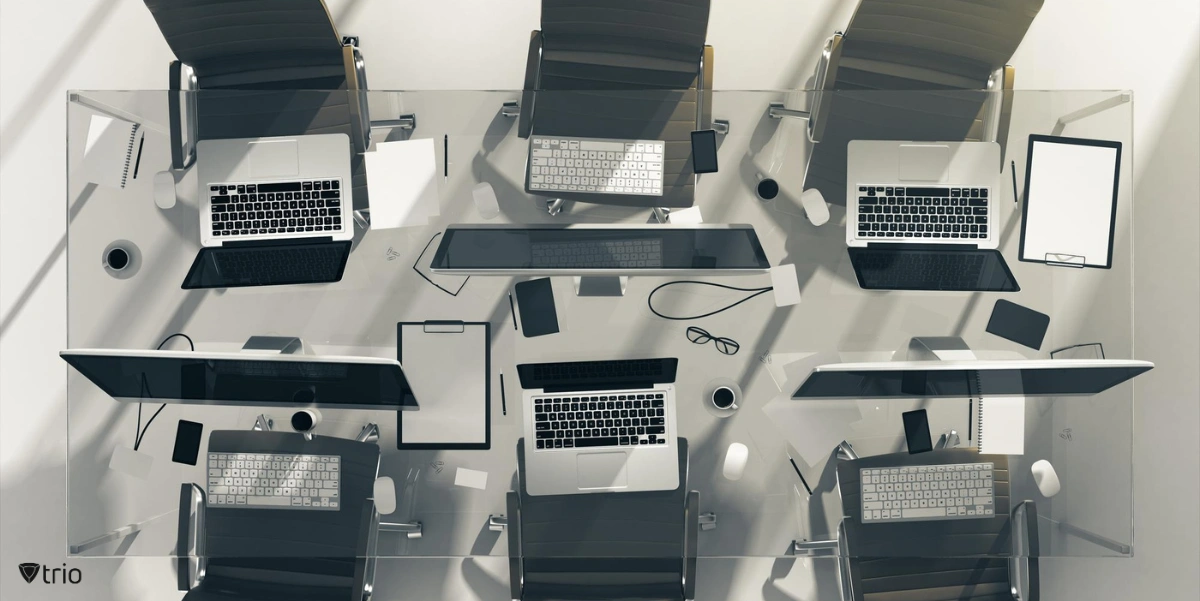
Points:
(470, 478)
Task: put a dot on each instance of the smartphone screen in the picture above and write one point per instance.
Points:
(187, 442)
(704, 151)
(916, 431)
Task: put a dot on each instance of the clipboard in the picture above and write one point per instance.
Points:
(448, 365)
(1070, 211)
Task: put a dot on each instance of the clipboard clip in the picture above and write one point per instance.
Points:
(443, 327)
(1066, 260)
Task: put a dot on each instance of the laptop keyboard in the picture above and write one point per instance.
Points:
(932, 270)
(264, 266)
(598, 254)
(241, 209)
(900, 213)
(590, 420)
(596, 165)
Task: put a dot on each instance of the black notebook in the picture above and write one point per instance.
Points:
(535, 302)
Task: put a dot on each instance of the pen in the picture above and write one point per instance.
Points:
(1016, 197)
(446, 155)
(802, 480)
(512, 308)
(503, 400)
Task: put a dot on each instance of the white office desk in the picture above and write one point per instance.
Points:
(1088, 439)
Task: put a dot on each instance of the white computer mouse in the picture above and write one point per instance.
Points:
(735, 461)
(814, 206)
(385, 495)
(164, 190)
(1046, 478)
(485, 200)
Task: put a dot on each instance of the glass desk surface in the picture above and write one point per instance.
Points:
(1088, 439)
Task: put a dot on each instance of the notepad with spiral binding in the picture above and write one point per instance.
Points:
(1001, 425)
(110, 154)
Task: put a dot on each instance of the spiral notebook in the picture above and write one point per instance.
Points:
(1000, 425)
(112, 151)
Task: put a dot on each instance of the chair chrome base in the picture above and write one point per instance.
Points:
(412, 530)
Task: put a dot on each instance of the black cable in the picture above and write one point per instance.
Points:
(756, 291)
(140, 431)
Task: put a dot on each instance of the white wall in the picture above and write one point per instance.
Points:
(1149, 46)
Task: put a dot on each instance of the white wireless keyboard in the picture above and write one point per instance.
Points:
(928, 492)
(596, 165)
(266, 480)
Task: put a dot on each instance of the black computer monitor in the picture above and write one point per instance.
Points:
(599, 250)
(245, 379)
(967, 379)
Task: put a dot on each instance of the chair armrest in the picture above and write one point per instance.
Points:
(824, 81)
(356, 87)
(704, 84)
(533, 76)
(516, 570)
(187, 502)
(1005, 75)
(691, 544)
(365, 552)
(181, 103)
(1025, 522)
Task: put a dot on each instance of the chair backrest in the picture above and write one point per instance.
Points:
(964, 560)
(288, 552)
(253, 43)
(931, 44)
(938, 47)
(631, 44)
(603, 546)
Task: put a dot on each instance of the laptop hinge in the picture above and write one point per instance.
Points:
(597, 386)
(277, 242)
(919, 246)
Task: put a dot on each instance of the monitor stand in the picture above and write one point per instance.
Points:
(935, 348)
(284, 345)
(601, 285)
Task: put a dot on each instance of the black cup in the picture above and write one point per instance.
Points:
(723, 397)
(117, 259)
(767, 189)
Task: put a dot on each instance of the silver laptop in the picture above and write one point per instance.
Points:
(264, 189)
(600, 426)
(923, 216)
(926, 192)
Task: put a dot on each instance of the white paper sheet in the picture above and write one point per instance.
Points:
(402, 181)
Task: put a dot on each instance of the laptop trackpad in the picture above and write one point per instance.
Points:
(924, 163)
(601, 470)
(273, 158)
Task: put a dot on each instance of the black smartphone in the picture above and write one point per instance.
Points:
(916, 431)
(704, 151)
(187, 442)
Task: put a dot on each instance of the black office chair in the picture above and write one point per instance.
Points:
(935, 50)
(281, 554)
(992, 559)
(618, 546)
(622, 69)
(266, 68)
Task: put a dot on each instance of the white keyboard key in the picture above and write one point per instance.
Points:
(924, 512)
(269, 501)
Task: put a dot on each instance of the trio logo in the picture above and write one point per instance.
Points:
(62, 575)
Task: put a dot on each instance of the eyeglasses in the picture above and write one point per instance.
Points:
(726, 346)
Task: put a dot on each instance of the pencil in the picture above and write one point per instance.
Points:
(503, 400)
(512, 308)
